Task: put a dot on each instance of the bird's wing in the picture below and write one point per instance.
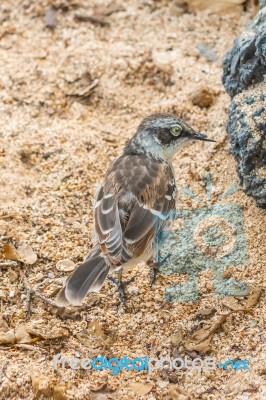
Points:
(108, 226)
(137, 196)
(156, 197)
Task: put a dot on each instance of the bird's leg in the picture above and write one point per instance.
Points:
(121, 285)
(154, 270)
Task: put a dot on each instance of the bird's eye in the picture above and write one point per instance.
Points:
(176, 130)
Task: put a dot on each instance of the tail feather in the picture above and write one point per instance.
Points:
(88, 277)
(97, 285)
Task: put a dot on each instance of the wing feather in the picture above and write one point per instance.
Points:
(132, 205)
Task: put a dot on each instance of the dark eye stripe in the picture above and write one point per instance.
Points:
(164, 135)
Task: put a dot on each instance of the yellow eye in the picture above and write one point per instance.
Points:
(176, 130)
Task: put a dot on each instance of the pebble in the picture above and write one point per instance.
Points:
(133, 290)
(65, 265)
(39, 276)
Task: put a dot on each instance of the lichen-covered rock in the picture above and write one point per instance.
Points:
(247, 129)
(244, 73)
(245, 63)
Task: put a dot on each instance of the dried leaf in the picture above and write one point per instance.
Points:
(11, 336)
(204, 313)
(174, 393)
(231, 303)
(96, 327)
(141, 389)
(84, 92)
(109, 9)
(47, 331)
(3, 324)
(60, 392)
(95, 338)
(215, 6)
(47, 386)
(22, 335)
(235, 386)
(254, 297)
(7, 337)
(26, 254)
(41, 386)
(201, 339)
(10, 253)
(90, 343)
(102, 387)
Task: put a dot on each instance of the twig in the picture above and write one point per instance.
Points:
(3, 370)
(44, 298)
(8, 264)
(93, 19)
(32, 292)
(14, 215)
(30, 347)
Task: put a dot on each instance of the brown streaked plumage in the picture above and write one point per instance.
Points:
(135, 201)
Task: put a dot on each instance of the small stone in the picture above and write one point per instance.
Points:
(65, 265)
(133, 290)
(163, 384)
(39, 276)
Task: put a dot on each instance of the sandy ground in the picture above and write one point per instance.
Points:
(70, 98)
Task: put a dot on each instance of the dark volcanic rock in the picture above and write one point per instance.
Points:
(247, 129)
(244, 73)
(245, 63)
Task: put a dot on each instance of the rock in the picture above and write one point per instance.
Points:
(245, 63)
(244, 71)
(247, 129)
(202, 97)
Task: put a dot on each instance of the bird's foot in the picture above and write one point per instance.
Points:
(154, 273)
(121, 285)
(154, 266)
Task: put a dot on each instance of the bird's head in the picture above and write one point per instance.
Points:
(162, 135)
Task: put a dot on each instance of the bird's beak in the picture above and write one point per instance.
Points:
(201, 136)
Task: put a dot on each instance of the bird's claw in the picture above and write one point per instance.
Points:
(121, 285)
(154, 273)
